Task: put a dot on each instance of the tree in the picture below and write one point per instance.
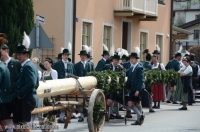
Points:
(195, 50)
(16, 16)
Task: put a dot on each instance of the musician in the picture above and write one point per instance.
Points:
(116, 67)
(63, 67)
(135, 84)
(81, 69)
(102, 62)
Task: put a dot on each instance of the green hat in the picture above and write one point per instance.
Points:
(116, 57)
(59, 56)
(4, 46)
(105, 52)
(156, 52)
(148, 56)
(83, 52)
(134, 55)
(124, 57)
(22, 49)
(66, 51)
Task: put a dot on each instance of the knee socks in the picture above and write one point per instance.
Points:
(116, 108)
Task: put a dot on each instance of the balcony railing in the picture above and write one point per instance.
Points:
(140, 6)
(186, 5)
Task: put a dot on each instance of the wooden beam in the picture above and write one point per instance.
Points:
(139, 16)
(174, 32)
(123, 13)
(148, 19)
(180, 36)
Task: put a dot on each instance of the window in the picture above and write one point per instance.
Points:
(161, 1)
(107, 36)
(86, 34)
(143, 45)
(198, 16)
(159, 42)
(196, 34)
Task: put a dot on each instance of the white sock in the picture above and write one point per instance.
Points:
(33, 118)
(169, 95)
(10, 122)
(62, 115)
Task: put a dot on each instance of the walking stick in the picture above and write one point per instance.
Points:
(124, 107)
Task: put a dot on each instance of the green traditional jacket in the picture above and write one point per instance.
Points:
(100, 65)
(147, 65)
(60, 68)
(80, 70)
(173, 64)
(91, 65)
(27, 82)
(5, 84)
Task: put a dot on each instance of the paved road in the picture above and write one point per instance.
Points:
(166, 119)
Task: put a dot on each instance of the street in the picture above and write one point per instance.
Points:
(166, 119)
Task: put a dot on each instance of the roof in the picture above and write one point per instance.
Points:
(191, 23)
(178, 30)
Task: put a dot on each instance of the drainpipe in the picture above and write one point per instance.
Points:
(74, 31)
(171, 41)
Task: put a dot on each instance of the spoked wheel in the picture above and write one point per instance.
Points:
(96, 111)
(47, 122)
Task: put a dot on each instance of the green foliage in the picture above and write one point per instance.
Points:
(46, 101)
(117, 81)
(97, 117)
(153, 77)
(16, 16)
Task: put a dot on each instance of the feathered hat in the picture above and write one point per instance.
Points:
(157, 51)
(137, 50)
(88, 49)
(105, 51)
(68, 50)
(24, 48)
(180, 49)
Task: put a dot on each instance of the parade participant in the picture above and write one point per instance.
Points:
(195, 69)
(185, 85)
(116, 67)
(14, 67)
(63, 67)
(157, 89)
(135, 84)
(156, 52)
(24, 98)
(36, 61)
(173, 64)
(5, 103)
(124, 60)
(102, 62)
(147, 66)
(81, 69)
(49, 74)
(89, 57)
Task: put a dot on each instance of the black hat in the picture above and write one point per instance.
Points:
(4, 46)
(156, 52)
(192, 54)
(22, 49)
(186, 55)
(124, 56)
(69, 59)
(59, 56)
(177, 55)
(66, 51)
(127, 58)
(83, 52)
(134, 55)
(105, 52)
(116, 57)
(148, 57)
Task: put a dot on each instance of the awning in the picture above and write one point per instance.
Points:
(179, 33)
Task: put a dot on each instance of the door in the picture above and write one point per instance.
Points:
(125, 35)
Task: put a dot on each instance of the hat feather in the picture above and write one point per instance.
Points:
(62, 49)
(3, 41)
(146, 51)
(118, 50)
(105, 47)
(26, 40)
(69, 47)
(187, 52)
(126, 53)
(157, 47)
(87, 48)
(180, 49)
(137, 50)
(112, 50)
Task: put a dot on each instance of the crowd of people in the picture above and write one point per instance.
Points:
(20, 76)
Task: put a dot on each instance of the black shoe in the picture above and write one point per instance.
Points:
(183, 108)
(141, 119)
(60, 120)
(135, 123)
(81, 119)
(128, 116)
(112, 116)
(174, 103)
(193, 101)
(154, 106)
(151, 111)
(119, 117)
(73, 117)
(133, 112)
(190, 104)
(168, 101)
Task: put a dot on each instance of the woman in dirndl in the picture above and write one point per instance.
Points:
(184, 85)
(157, 89)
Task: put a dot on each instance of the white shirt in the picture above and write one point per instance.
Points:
(7, 61)
(39, 74)
(65, 64)
(104, 59)
(25, 62)
(161, 66)
(113, 67)
(134, 66)
(187, 70)
(181, 64)
(53, 73)
(84, 63)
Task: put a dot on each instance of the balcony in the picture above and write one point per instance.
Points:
(186, 5)
(145, 10)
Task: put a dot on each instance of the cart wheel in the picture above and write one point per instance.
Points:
(47, 123)
(97, 95)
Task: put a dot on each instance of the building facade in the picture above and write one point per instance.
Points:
(125, 23)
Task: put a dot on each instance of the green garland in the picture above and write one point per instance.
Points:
(97, 117)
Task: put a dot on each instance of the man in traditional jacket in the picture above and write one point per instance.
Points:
(24, 97)
(135, 84)
(14, 67)
(81, 69)
(173, 64)
(116, 67)
(89, 60)
(124, 60)
(63, 67)
(102, 62)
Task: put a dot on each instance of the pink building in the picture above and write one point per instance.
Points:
(124, 23)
